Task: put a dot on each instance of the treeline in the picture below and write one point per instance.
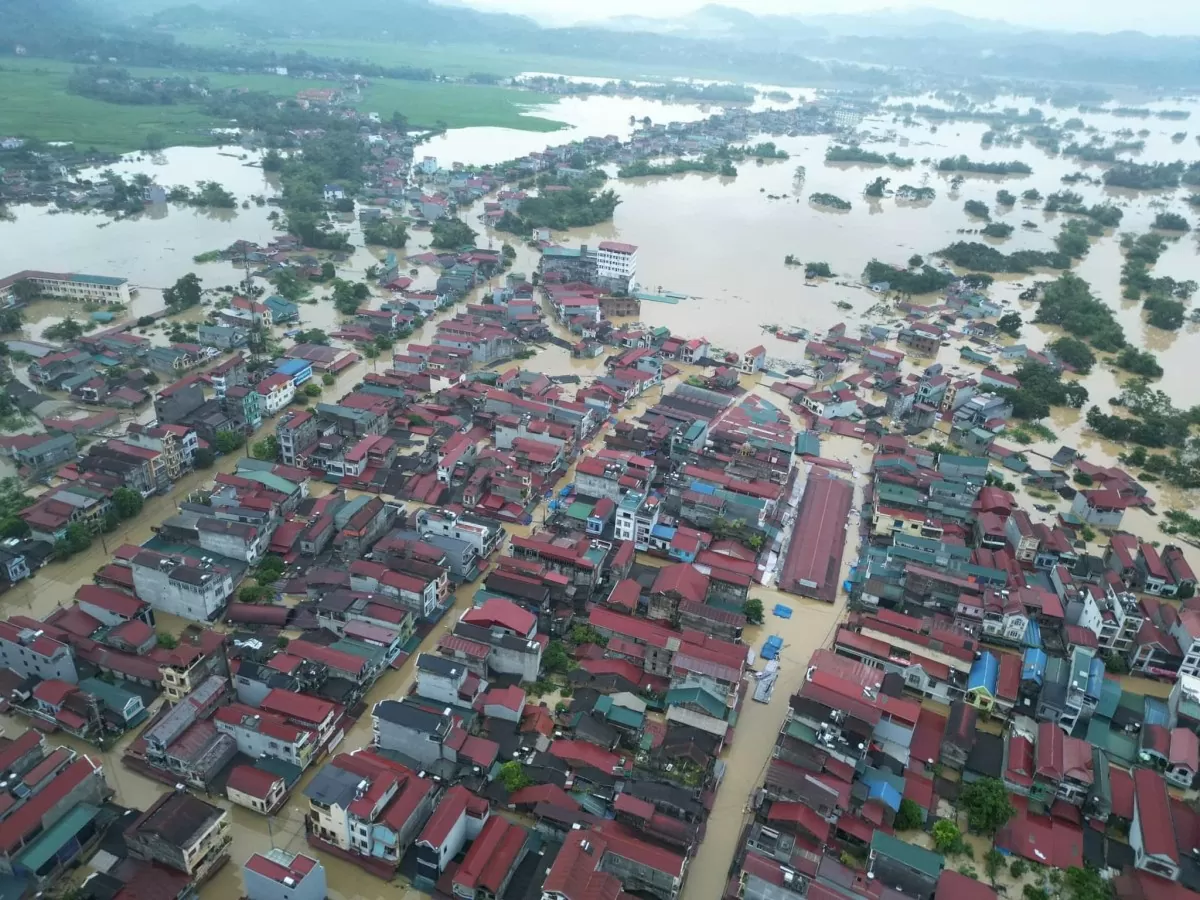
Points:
(640, 168)
(982, 258)
(856, 154)
(115, 85)
(964, 164)
(1152, 176)
(677, 90)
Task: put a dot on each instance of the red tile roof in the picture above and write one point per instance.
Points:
(583, 753)
(543, 793)
(491, 857)
(453, 806)
(300, 707)
(682, 579)
(952, 884)
(1154, 814)
(300, 866)
(258, 783)
(28, 818)
(800, 814)
(498, 612)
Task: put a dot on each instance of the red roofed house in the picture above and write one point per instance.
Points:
(368, 808)
(58, 787)
(279, 874)
(594, 864)
(1102, 508)
(256, 789)
(1153, 833)
(459, 817)
(675, 584)
(504, 615)
(489, 865)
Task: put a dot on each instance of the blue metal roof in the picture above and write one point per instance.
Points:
(1156, 712)
(1033, 665)
(881, 790)
(984, 674)
(1096, 678)
(1033, 635)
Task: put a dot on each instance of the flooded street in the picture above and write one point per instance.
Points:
(721, 242)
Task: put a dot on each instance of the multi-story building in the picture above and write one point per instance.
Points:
(1115, 618)
(636, 517)
(181, 586)
(74, 286)
(275, 392)
(183, 833)
(368, 806)
(616, 261)
(612, 474)
(296, 431)
(260, 733)
(482, 536)
(30, 652)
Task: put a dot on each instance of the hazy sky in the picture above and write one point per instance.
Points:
(1153, 16)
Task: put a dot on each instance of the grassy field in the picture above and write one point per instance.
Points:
(37, 104)
(446, 59)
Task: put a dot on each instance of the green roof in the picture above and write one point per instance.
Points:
(98, 279)
(1110, 698)
(51, 841)
(289, 772)
(274, 482)
(579, 510)
(110, 695)
(698, 696)
(561, 251)
(618, 715)
(917, 858)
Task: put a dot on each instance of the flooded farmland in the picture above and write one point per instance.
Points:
(719, 241)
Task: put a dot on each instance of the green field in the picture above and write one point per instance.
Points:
(37, 104)
(446, 59)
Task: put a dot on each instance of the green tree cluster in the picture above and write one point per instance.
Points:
(1041, 388)
(184, 293)
(1139, 362)
(387, 233)
(1068, 303)
(1075, 353)
(452, 234)
(977, 208)
(923, 281)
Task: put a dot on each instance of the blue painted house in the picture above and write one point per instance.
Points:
(981, 682)
(282, 310)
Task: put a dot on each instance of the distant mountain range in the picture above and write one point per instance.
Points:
(717, 21)
(715, 38)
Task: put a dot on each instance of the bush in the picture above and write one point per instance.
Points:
(1018, 868)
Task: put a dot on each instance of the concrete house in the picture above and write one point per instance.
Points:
(279, 875)
(183, 833)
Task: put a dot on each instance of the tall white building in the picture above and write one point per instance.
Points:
(616, 260)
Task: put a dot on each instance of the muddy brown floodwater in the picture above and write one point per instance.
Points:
(719, 241)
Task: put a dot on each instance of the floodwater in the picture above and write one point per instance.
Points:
(720, 241)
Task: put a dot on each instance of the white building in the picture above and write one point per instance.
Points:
(74, 286)
(616, 260)
(275, 392)
(180, 587)
(636, 517)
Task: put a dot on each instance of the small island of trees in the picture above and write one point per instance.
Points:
(923, 280)
(977, 208)
(917, 194)
(1168, 221)
(997, 230)
(829, 200)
